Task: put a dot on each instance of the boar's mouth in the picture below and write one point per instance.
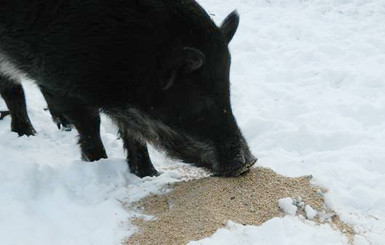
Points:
(175, 144)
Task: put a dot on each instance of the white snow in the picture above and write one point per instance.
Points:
(286, 231)
(308, 91)
(310, 212)
(287, 205)
(48, 195)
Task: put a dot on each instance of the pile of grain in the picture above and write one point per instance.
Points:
(196, 209)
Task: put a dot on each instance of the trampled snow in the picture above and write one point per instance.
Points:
(310, 212)
(287, 206)
(308, 91)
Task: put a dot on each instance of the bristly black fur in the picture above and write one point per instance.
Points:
(159, 68)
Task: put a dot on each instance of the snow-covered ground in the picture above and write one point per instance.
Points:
(308, 91)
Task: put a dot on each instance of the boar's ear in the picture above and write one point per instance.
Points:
(190, 59)
(186, 60)
(229, 25)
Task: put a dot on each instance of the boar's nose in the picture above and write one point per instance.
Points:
(237, 164)
(240, 166)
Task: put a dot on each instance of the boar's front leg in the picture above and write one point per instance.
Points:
(13, 94)
(138, 158)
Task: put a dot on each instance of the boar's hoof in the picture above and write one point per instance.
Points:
(64, 126)
(4, 114)
(144, 172)
(23, 129)
(62, 123)
(92, 154)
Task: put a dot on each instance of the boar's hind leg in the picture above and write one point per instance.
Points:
(13, 94)
(57, 115)
(86, 121)
(138, 158)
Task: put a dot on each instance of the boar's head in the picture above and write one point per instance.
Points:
(192, 105)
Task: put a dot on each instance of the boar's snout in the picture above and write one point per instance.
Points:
(236, 159)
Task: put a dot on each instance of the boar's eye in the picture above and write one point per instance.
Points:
(203, 109)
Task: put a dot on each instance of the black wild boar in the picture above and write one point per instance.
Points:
(158, 68)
